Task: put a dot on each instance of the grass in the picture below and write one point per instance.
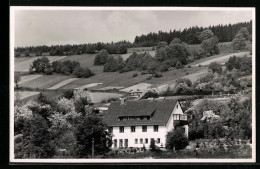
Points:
(45, 81)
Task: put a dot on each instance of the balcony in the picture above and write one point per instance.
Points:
(180, 120)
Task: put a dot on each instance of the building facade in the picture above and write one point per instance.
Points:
(136, 123)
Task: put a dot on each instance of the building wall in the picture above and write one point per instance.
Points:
(138, 134)
(170, 124)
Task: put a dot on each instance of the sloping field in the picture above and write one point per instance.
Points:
(24, 94)
(28, 78)
(23, 63)
(193, 77)
(45, 81)
(88, 86)
(97, 97)
(63, 83)
(85, 60)
(221, 59)
(140, 86)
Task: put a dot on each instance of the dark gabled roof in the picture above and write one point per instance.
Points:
(159, 109)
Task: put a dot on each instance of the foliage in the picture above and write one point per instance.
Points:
(176, 139)
(210, 46)
(150, 94)
(239, 41)
(40, 64)
(81, 72)
(68, 94)
(101, 57)
(112, 65)
(225, 33)
(215, 67)
(91, 129)
(17, 79)
(36, 139)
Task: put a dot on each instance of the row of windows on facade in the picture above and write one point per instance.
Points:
(144, 129)
(141, 141)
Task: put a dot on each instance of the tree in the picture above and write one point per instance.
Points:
(111, 65)
(239, 41)
(36, 140)
(122, 49)
(179, 52)
(40, 64)
(92, 129)
(205, 34)
(215, 67)
(17, 79)
(81, 72)
(90, 49)
(210, 45)
(176, 40)
(176, 139)
(184, 80)
(101, 57)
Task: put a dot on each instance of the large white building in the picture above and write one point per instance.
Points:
(136, 123)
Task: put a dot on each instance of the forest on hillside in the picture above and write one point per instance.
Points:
(225, 33)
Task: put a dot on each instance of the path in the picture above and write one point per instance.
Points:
(222, 59)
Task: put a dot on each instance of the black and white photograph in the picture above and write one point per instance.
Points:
(132, 84)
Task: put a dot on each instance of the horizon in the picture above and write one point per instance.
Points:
(34, 28)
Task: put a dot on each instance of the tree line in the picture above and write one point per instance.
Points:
(67, 67)
(225, 33)
(66, 50)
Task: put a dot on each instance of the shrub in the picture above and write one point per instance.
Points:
(101, 57)
(187, 73)
(149, 78)
(68, 94)
(157, 75)
(48, 71)
(125, 69)
(135, 74)
(176, 139)
(143, 73)
(82, 72)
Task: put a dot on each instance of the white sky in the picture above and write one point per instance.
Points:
(52, 27)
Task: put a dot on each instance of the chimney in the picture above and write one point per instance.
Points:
(122, 101)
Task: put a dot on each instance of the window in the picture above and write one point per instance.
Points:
(132, 129)
(146, 141)
(155, 128)
(141, 141)
(177, 106)
(176, 117)
(120, 143)
(183, 130)
(136, 141)
(144, 128)
(148, 117)
(126, 143)
(121, 129)
(110, 129)
(115, 143)
(158, 140)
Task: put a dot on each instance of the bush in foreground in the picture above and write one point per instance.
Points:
(176, 139)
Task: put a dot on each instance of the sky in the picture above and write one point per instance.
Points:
(53, 27)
